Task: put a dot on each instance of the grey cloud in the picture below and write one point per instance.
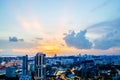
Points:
(5, 44)
(38, 38)
(78, 40)
(107, 42)
(64, 33)
(15, 39)
(21, 39)
(108, 24)
(111, 37)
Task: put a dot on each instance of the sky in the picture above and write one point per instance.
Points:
(62, 27)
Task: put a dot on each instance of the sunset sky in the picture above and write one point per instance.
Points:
(62, 27)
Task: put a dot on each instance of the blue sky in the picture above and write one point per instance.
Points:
(64, 27)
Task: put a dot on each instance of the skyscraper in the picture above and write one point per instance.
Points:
(25, 75)
(25, 65)
(40, 71)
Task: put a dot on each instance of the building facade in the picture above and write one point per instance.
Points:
(40, 71)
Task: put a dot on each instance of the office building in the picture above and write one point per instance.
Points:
(40, 71)
(25, 65)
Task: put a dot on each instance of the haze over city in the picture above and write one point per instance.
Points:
(62, 27)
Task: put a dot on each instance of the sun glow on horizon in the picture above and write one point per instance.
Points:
(49, 48)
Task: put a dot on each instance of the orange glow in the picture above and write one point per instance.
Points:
(19, 50)
(49, 48)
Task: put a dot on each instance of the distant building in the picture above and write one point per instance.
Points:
(40, 71)
(25, 77)
(88, 63)
(98, 61)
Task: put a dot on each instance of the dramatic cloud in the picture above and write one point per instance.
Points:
(104, 35)
(15, 39)
(111, 37)
(78, 40)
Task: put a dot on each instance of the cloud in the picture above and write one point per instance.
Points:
(16, 48)
(101, 5)
(78, 40)
(111, 23)
(5, 44)
(21, 39)
(15, 39)
(104, 35)
(38, 38)
(111, 36)
(64, 33)
(32, 24)
(108, 41)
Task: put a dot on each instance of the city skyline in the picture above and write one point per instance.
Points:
(62, 27)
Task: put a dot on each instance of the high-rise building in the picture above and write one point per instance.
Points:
(25, 75)
(25, 65)
(40, 71)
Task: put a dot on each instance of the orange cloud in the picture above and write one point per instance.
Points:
(29, 24)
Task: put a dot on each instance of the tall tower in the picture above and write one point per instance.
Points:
(24, 76)
(25, 65)
(40, 71)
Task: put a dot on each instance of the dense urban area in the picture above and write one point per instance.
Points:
(79, 67)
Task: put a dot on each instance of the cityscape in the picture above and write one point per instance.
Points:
(59, 39)
(79, 67)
